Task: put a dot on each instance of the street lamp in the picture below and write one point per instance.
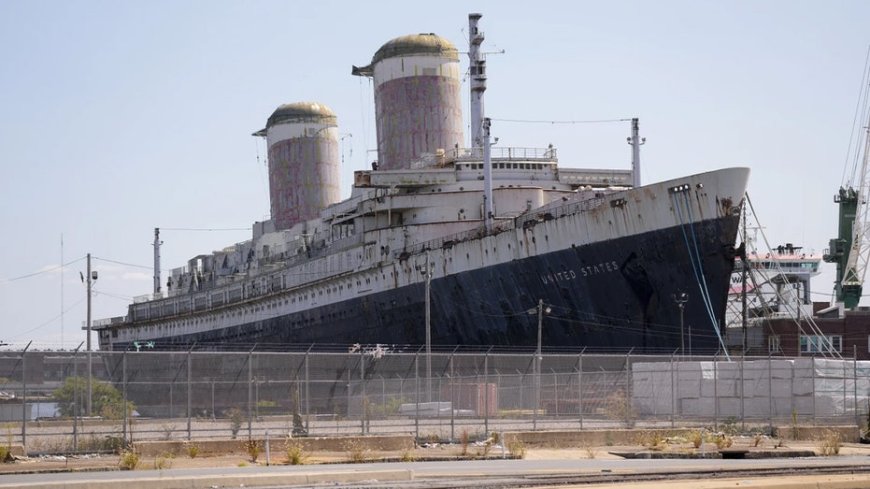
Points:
(90, 279)
(680, 300)
(427, 272)
(540, 310)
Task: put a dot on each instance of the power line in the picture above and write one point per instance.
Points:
(50, 320)
(205, 229)
(116, 262)
(44, 271)
(528, 121)
(114, 296)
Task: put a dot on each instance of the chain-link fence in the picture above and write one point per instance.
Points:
(48, 404)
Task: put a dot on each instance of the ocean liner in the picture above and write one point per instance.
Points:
(472, 241)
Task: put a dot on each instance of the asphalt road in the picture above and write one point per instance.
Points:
(480, 473)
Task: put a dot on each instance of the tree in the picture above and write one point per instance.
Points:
(107, 401)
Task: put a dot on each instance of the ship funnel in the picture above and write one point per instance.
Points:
(417, 98)
(304, 168)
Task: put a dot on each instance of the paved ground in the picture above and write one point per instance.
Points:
(539, 465)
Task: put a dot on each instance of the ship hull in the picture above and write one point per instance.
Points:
(611, 295)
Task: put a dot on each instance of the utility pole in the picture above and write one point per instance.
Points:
(538, 359)
(428, 329)
(91, 278)
(89, 337)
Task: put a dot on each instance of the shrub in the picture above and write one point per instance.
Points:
(356, 450)
(167, 430)
(164, 461)
(463, 440)
(654, 440)
(516, 448)
(236, 417)
(408, 456)
(697, 438)
(619, 408)
(6, 454)
(253, 448)
(723, 441)
(192, 449)
(106, 400)
(295, 452)
(590, 450)
(129, 460)
(830, 443)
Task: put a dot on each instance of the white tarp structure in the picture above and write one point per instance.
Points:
(802, 387)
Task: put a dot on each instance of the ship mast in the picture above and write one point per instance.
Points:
(157, 244)
(480, 125)
(635, 141)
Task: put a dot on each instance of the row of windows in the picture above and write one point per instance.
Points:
(508, 166)
(812, 343)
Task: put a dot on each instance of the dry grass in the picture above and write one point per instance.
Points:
(830, 443)
(463, 441)
(192, 449)
(295, 452)
(253, 448)
(163, 461)
(517, 448)
(129, 460)
(697, 438)
(590, 449)
(356, 451)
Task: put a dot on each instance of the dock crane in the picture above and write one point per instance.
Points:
(850, 250)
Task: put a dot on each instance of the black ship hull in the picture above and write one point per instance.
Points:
(613, 295)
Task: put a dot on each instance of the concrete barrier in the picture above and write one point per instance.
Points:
(309, 444)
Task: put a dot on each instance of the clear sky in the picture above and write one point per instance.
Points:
(118, 117)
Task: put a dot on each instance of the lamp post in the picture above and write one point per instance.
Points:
(540, 310)
(428, 274)
(91, 278)
(680, 300)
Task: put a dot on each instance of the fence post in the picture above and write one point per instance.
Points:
(250, 392)
(629, 421)
(742, 389)
(75, 412)
(486, 394)
(673, 391)
(452, 399)
(844, 386)
(189, 393)
(769, 393)
(383, 395)
(307, 397)
(715, 391)
(793, 410)
(417, 394)
(813, 371)
(537, 380)
(24, 399)
(855, 384)
(363, 401)
(580, 385)
(555, 392)
(124, 386)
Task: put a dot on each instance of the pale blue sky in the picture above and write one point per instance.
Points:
(121, 116)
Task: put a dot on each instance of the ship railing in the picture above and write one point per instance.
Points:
(506, 153)
(451, 239)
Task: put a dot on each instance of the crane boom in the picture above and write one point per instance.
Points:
(855, 270)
